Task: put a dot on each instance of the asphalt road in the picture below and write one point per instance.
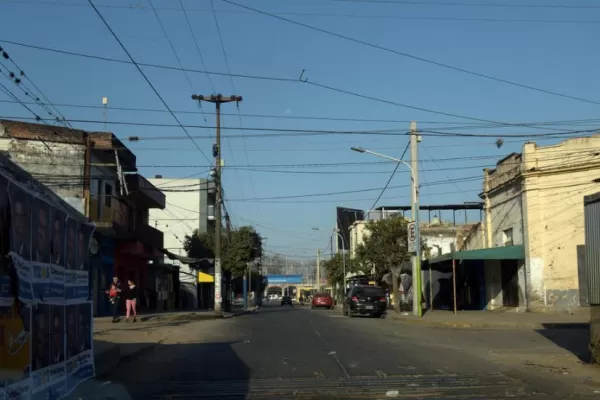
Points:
(318, 354)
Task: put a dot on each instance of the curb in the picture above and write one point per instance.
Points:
(238, 314)
(487, 325)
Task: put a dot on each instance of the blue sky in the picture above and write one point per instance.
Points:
(509, 42)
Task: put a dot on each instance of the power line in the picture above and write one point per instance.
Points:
(414, 57)
(267, 78)
(472, 4)
(141, 7)
(146, 78)
(390, 178)
(323, 118)
(304, 132)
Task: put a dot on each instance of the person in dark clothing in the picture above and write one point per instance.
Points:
(131, 300)
(114, 295)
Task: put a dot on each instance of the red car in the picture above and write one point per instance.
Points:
(322, 300)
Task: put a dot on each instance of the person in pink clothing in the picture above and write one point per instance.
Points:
(131, 300)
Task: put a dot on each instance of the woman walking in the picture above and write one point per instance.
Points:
(131, 300)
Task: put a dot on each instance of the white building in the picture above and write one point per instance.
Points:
(189, 206)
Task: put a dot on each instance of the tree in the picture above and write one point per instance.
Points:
(384, 248)
(244, 246)
(334, 268)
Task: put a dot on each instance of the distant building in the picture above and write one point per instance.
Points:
(189, 205)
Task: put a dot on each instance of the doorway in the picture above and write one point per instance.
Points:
(510, 283)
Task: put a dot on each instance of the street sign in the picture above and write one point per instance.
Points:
(411, 235)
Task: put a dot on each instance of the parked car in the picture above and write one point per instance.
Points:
(286, 300)
(321, 300)
(365, 300)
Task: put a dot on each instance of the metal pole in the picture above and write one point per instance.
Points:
(454, 282)
(318, 277)
(250, 284)
(414, 155)
(245, 290)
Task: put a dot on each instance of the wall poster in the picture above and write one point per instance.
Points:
(45, 305)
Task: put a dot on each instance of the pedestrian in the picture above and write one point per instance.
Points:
(114, 295)
(131, 300)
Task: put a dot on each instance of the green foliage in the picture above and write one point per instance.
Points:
(244, 246)
(384, 246)
(334, 268)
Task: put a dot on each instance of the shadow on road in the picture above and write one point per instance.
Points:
(574, 338)
(194, 370)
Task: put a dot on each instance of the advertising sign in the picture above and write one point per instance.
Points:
(45, 308)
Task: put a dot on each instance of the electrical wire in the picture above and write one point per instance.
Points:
(267, 78)
(414, 57)
(304, 132)
(146, 78)
(323, 118)
(390, 179)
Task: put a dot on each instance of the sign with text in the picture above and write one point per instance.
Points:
(411, 235)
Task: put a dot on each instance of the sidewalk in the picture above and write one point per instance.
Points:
(497, 319)
(117, 342)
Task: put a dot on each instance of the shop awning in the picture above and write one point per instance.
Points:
(205, 278)
(493, 253)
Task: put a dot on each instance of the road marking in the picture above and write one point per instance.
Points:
(332, 353)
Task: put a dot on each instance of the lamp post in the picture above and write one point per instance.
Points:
(335, 231)
(415, 216)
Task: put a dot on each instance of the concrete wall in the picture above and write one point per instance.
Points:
(185, 211)
(59, 166)
(474, 238)
(506, 215)
(358, 232)
(493, 284)
(539, 194)
(559, 177)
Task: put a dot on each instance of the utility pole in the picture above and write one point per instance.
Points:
(318, 277)
(218, 100)
(416, 266)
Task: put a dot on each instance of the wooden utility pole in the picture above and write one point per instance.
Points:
(218, 100)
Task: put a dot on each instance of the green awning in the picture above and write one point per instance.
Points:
(493, 253)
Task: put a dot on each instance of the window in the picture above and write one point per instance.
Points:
(108, 192)
(507, 237)
(369, 291)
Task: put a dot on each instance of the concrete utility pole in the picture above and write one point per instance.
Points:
(218, 100)
(416, 267)
(318, 277)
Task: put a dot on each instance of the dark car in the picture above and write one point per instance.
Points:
(322, 300)
(286, 300)
(365, 300)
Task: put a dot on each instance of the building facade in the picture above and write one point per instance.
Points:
(189, 206)
(96, 174)
(535, 199)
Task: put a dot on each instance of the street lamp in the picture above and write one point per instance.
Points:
(415, 215)
(335, 230)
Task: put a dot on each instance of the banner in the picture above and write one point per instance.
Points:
(45, 309)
